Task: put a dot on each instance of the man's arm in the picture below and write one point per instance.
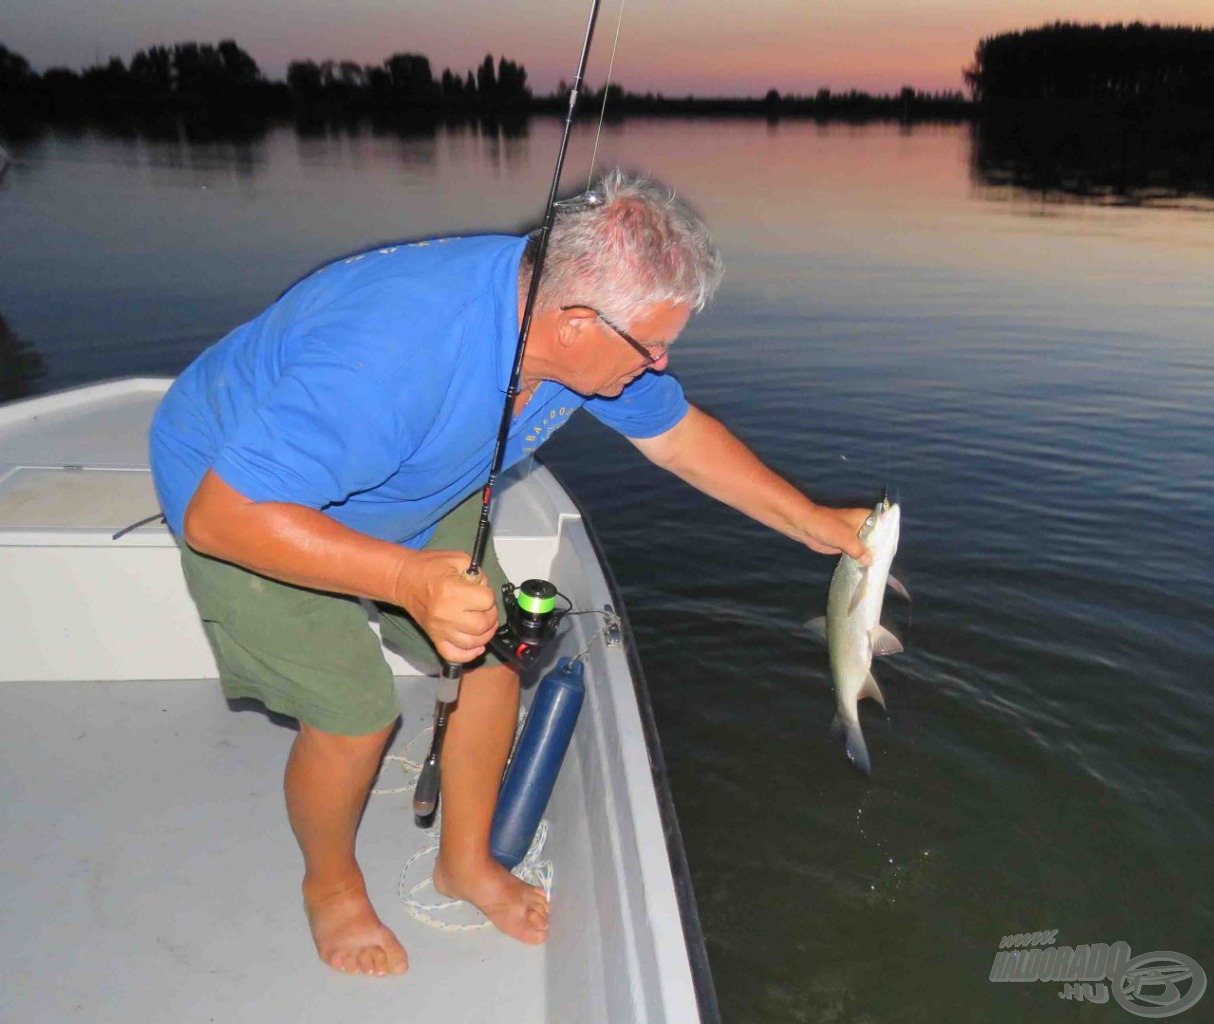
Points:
(701, 451)
(302, 546)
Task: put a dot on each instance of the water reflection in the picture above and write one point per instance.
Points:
(1117, 160)
(21, 365)
(1112, 160)
(500, 141)
(316, 122)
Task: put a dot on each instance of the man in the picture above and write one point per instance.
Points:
(334, 448)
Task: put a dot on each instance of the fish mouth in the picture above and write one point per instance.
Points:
(882, 523)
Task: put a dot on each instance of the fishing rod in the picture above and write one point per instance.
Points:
(530, 619)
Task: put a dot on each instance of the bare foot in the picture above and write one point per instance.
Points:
(349, 936)
(514, 907)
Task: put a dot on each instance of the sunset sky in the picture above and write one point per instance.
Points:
(709, 47)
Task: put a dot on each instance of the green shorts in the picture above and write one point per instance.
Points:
(312, 655)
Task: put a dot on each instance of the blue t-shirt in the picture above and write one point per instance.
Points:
(373, 389)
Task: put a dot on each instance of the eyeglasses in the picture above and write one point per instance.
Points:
(582, 201)
(652, 353)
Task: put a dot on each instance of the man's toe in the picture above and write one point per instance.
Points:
(398, 960)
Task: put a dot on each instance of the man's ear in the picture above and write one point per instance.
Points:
(571, 326)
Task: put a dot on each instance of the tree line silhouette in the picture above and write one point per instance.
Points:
(1105, 113)
(1055, 66)
(1064, 63)
(223, 79)
(405, 81)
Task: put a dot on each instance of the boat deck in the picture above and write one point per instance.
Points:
(147, 869)
(144, 830)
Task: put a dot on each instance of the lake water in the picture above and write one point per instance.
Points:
(1033, 379)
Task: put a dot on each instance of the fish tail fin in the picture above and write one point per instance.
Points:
(857, 749)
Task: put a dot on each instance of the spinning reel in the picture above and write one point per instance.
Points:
(532, 619)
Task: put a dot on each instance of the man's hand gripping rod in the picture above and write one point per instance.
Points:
(425, 797)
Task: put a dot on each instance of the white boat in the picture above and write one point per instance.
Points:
(147, 870)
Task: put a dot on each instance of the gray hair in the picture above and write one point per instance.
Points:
(628, 243)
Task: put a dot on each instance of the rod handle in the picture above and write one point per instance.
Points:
(425, 797)
(449, 676)
(425, 794)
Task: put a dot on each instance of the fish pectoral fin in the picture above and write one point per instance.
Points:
(817, 626)
(861, 590)
(898, 587)
(871, 689)
(884, 642)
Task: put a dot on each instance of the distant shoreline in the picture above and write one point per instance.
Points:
(843, 107)
(222, 81)
(1059, 76)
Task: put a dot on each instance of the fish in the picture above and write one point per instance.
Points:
(852, 626)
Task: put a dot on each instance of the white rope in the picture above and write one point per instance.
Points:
(411, 768)
(603, 111)
(532, 869)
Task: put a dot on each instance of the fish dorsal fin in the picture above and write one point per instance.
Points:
(884, 642)
(897, 586)
(861, 590)
(871, 689)
(817, 626)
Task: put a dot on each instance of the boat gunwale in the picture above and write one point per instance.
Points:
(26, 409)
(693, 932)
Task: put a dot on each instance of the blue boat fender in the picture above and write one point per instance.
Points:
(538, 755)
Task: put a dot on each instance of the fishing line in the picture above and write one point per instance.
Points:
(606, 85)
(425, 799)
(598, 134)
(889, 450)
